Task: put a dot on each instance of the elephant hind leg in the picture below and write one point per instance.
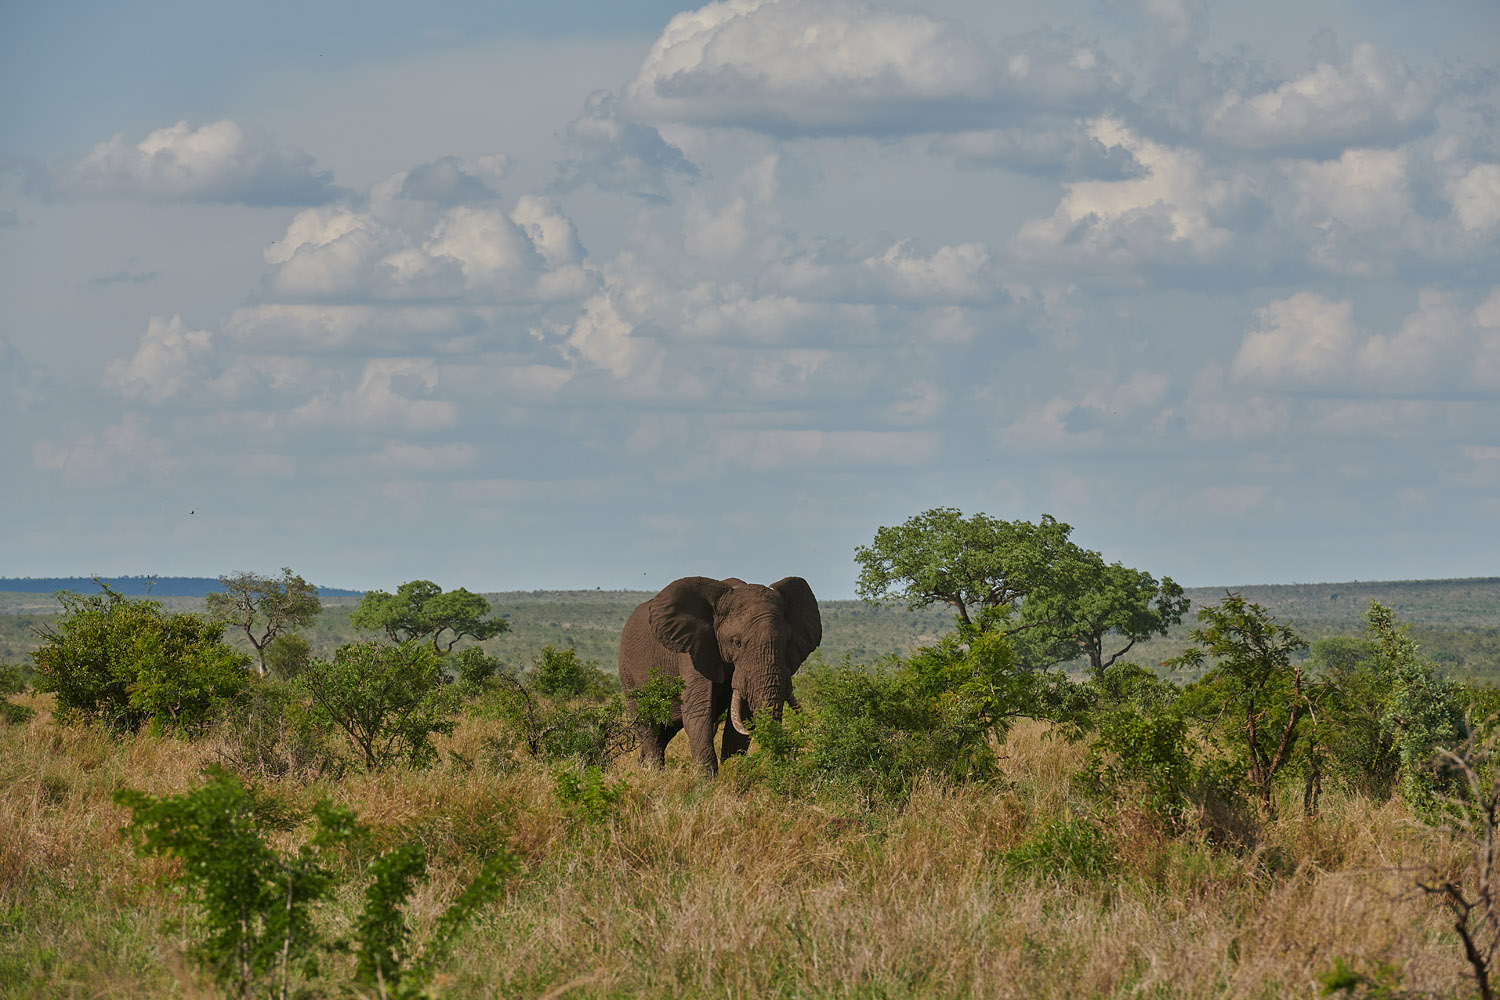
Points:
(654, 740)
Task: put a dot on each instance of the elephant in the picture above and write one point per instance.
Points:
(735, 645)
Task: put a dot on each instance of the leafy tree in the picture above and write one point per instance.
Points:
(1103, 601)
(129, 662)
(421, 610)
(385, 699)
(976, 565)
(1253, 681)
(1353, 732)
(264, 607)
(1055, 599)
(1421, 712)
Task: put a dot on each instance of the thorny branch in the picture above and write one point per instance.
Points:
(1475, 919)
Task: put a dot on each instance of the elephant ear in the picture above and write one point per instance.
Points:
(802, 614)
(682, 619)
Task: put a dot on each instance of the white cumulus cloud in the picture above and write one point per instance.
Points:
(844, 67)
(1309, 341)
(219, 162)
(1373, 99)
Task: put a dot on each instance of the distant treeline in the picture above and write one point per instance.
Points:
(133, 586)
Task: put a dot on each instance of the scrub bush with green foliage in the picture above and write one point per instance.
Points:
(385, 699)
(287, 656)
(269, 730)
(1421, 713)
(12, 681)
(388, 960)
(255, 901)
(589, 796)
(474, 669)
(559, 673)
(1252, 703)
(259, 905)
(939, 713)
(592, 728)
(1064, 848)
(129, 663)
(1145, 754)
(1356, 748)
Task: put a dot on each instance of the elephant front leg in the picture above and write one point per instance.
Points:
(698, 721)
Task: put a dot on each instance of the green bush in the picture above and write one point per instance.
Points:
(1421, 711)
(1063, 848)
(130, 663)
(1149, 755)
(592, 799)
(656, 700)
(269, 730)
(287, 656)
(13, 680)
(559, 673)
(258, 903)
(474, 669)
(876, 732)
(385, 699)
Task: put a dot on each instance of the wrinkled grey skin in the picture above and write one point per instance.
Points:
(726, 639)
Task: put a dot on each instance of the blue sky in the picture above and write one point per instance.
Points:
(517, 296)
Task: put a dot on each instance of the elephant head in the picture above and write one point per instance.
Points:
(752, 636)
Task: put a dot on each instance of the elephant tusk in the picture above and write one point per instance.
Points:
(734, 715)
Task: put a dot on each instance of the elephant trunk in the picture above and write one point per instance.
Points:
(769, 696)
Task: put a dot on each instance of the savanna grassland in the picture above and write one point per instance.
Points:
(708, 889)
(937, 820)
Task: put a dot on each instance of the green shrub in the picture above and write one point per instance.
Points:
(656, 700)
(287, 656)
(876, 732)
(1131, 686)
(1357, 751)
(474, 669)
(385, 699)
(1062, 848)
(388, 962)
(269, 730)
(258, 903)
(559, 673)
(1422, 713)
(1150, 755)
(130, 662)
(589, 796)
(13, 680)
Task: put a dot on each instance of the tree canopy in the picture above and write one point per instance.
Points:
(264, 607)
(1056, 599)
(421, 610)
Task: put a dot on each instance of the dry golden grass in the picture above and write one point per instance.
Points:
(724, 889)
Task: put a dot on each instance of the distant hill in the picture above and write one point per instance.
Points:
(133, 586)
